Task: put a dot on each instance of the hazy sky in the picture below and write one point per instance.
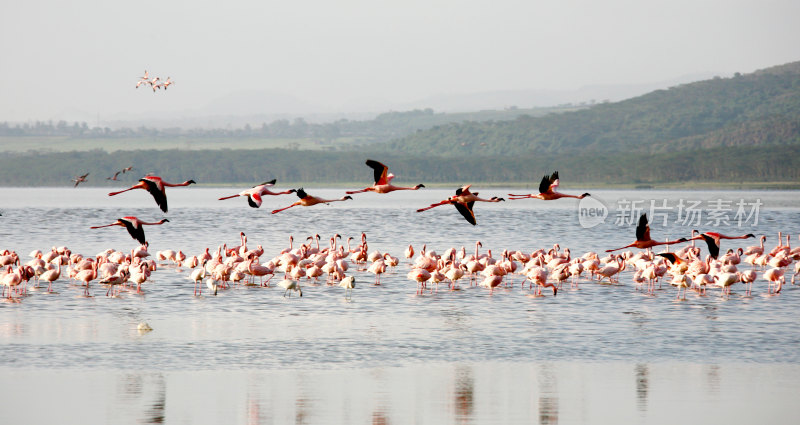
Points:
(60, 57)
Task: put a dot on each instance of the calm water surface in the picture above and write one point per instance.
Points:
(598, 354)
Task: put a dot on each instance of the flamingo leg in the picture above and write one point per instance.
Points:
(285, 208)
(438, 204)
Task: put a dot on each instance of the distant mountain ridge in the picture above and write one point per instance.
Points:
(761, 108)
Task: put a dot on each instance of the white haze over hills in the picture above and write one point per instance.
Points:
(251, 61)
(255, 107)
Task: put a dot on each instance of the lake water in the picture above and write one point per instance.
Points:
(598, 354)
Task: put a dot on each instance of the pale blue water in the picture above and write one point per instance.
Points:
(290, 359)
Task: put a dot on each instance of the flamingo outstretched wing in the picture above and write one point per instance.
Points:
(713, 247)
(466, 211)
(157, 192)
(544, 185)
(135, 232)
(549, 183)
(254, 200)
(643, 229)
(463, 190)
(380, 171)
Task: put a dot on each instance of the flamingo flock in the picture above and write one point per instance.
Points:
(155, 83)
(337, 263)
(340, 265)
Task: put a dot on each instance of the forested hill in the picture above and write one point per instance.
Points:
(761, 109)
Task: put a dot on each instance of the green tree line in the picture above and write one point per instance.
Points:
(249, 167)
(760, 108)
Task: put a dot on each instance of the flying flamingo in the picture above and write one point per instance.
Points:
(79, 179)
(713, 240)
(383, 180)
(307, 200)
(643, 240)
(154, 83)
(145, 79)
(156, 186)
(547, 190)
(133, 225)
(255, 193)
(114, 177)
(166, 83)
(463, 200)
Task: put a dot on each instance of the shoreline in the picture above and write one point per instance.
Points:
(691, 185)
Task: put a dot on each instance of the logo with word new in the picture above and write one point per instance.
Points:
(591, 212)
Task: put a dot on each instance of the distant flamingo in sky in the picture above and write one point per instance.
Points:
(156, 186)
(166, 83)
(643, 240)
(254, 195)
(463, 200)
(79, 179)
(133, 225)
(307, 200)
(145, 79)
(547, 190)
(383, 180)
(114, 177)
(154, 83)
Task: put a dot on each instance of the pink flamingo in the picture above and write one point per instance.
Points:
(165, 84)
(383, 180)
(463, 200)
(145, 79)
(133, 225)
(255, 193)
(157, 188)
(547, 190)
(776, 279)
(11, 279)
(154, 83)
(80, 179)
(713, 240)
(307, 200)
(643, 240)
(86, 276)
(50, 276)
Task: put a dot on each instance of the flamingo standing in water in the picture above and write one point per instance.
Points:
(643, 240)
(255, 193)
(348, 283)
(383, 180)
(133, 225)
(547, 190)
(307, 200)
(157, 187)
(463, 200)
